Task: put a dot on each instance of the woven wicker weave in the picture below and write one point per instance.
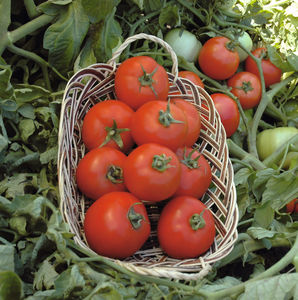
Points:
(96, 83)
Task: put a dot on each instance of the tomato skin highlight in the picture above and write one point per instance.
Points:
(146, 127)
(272, 74)
(247, 87)
(128, 87)
(228, 112)
(216, 60)
(194, 181)
(175, 234)
(92, 170)
(102, 115)
(146, 182)
(108, 229)
(193, 77)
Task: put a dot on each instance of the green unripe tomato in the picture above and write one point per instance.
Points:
(246, 42)
(184, 44)
(270, 140)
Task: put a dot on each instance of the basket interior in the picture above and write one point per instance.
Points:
(96, 83)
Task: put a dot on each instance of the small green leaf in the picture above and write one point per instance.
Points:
(169, 16)
(27, 128)
(274, 288)
(45, 276)
(27, 111)
(97, 10)
(8, 105)
(63, 39)
(260, 233)
(6, 89)
(19, 225)
(280, 189)
(264, 215)
(86, 57)
(7, 257)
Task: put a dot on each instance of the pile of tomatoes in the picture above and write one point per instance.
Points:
(141, 151)
(221, 59)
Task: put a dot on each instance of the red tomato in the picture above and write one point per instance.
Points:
(218, 58)
(100, 171)
(292, 207)
(247, 87)
(141, 79)
(116, 225)
(152, 172)
(108, 122)
(159, 122)
(228, 112)
(272, 74)
(196, 173)
(193, 120)
(193, 77)
(186, 228)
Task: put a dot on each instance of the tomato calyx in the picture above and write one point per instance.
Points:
(135, 218)
(113, 133)
(165, 117)
(231, 46)
(246, 87)
(115, 174)
(147, 80)
(161, 162)
(191, 163)
(197, 221)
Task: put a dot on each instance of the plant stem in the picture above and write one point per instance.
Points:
(276, 268)
(31, 8)
(237, 151)
(31, 55)
(139, 277)
(29, 27)
(276, 156)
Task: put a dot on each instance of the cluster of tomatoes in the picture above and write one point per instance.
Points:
(141, 151)
(219, 60)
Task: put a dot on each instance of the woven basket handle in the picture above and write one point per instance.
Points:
(152, 38)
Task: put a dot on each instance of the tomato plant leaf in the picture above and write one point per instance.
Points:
(106, 37)
(63, 39)
(97, 10)
(280, 189)
(45, 276)
(273, 288)
(7, 257)
(169, 16)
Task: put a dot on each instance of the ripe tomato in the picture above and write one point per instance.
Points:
(101, 171)
(152, 172)
(292, 207)
(193, 77)
(218, 58)
(141, 79)
(116, 225)
(196, 173)
(108, 122)
(159, 122)
(186, 228)
(272, 74)
(193, 120)
(247, 87)
(228, 112)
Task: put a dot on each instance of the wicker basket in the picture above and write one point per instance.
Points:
(96, 83)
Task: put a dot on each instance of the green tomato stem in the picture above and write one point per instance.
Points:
(277, 155)
(238, 152)
(29, 27)
(31, 8)
(275, 269)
